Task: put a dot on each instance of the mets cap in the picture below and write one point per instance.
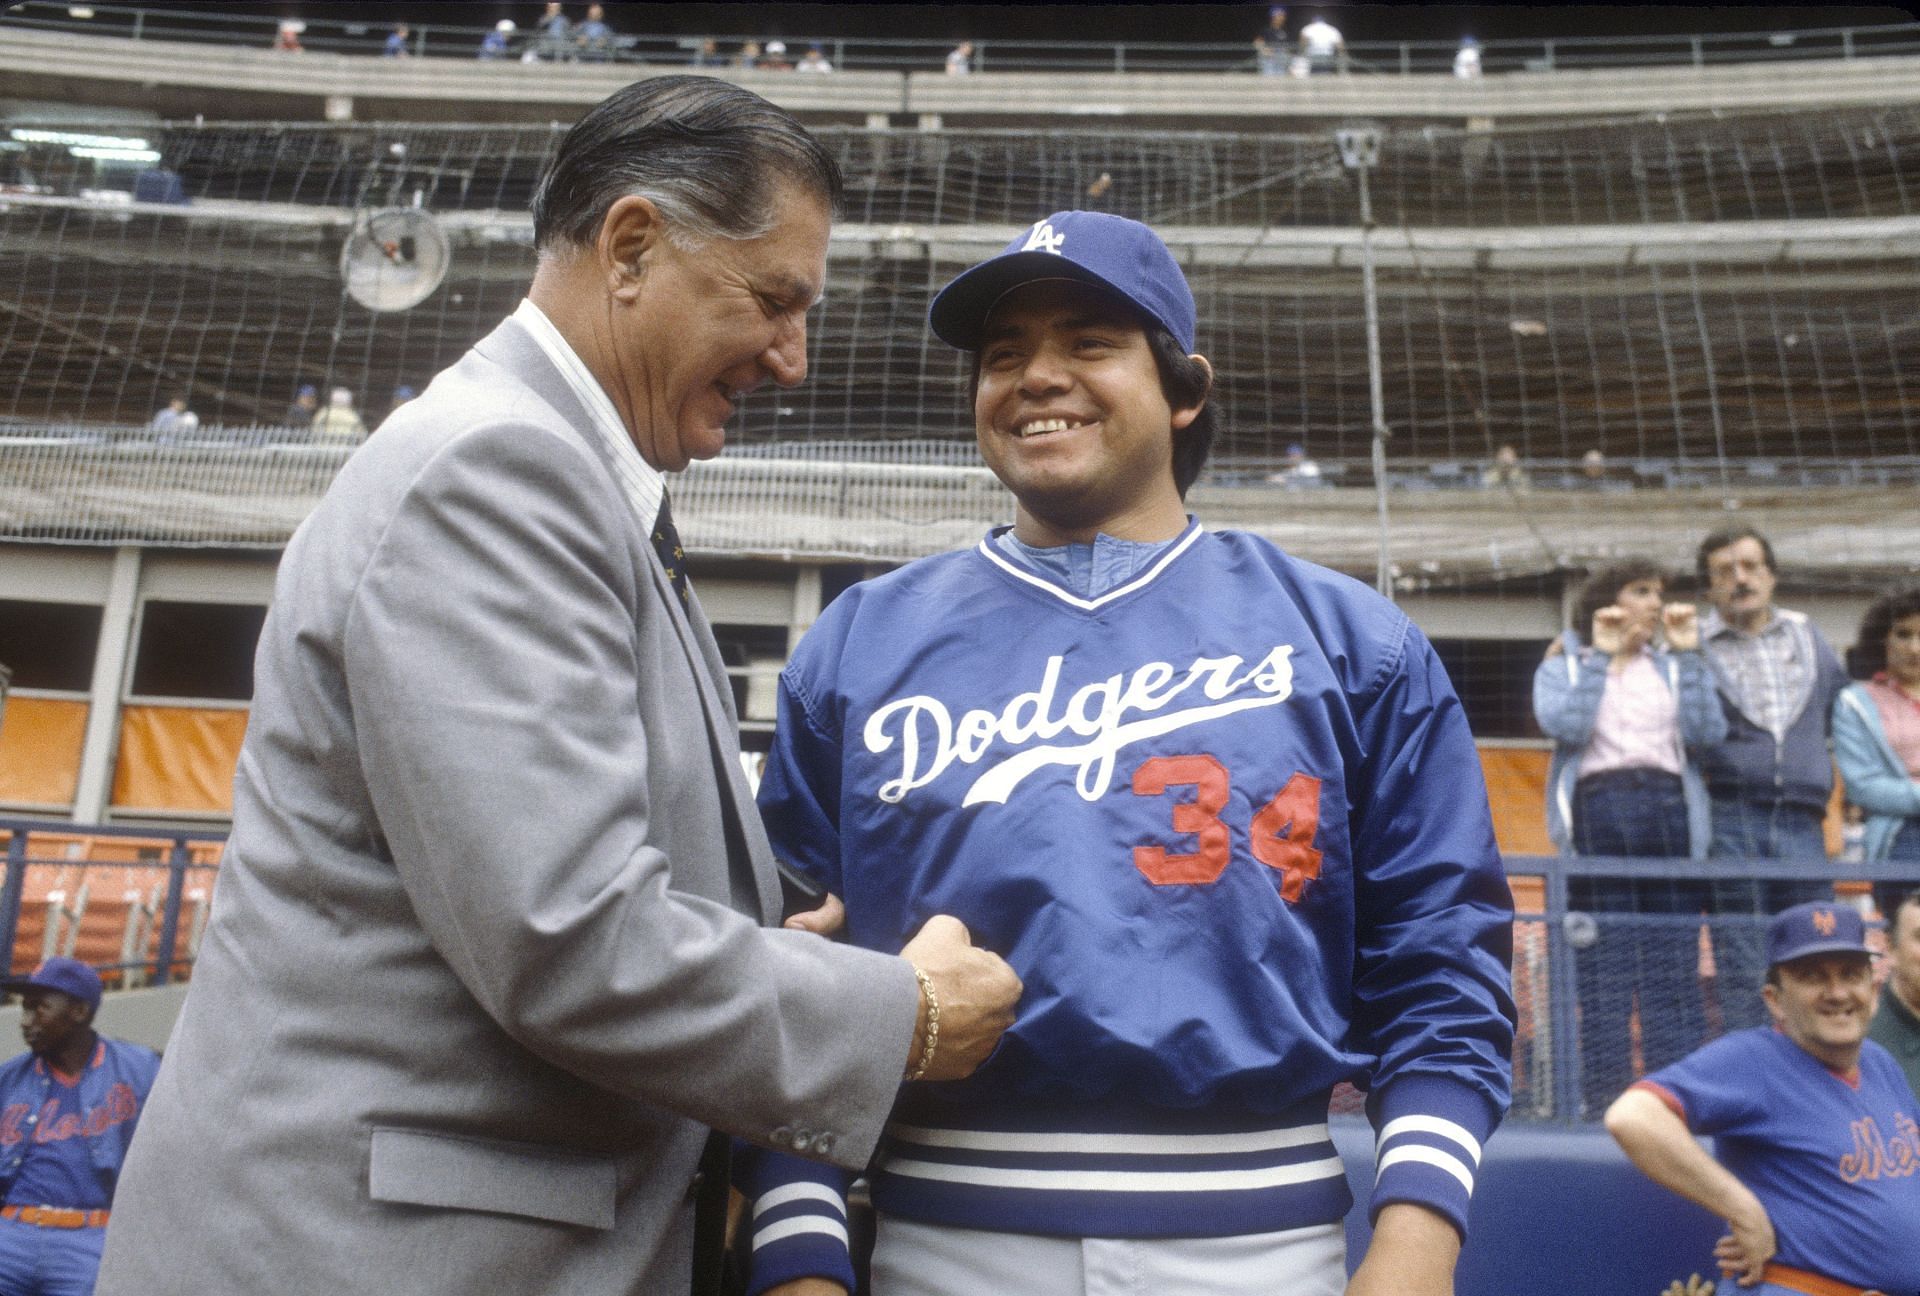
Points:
(1818, 927)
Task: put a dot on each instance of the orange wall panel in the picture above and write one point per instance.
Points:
(178, 758)
(1517, 792)
(40, 742)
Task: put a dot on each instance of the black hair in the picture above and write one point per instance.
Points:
(1603, 586)
(707, 152)
(1869, 653)
(1725, 536)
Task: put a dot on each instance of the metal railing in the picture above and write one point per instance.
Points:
(990, 54)
(147, 954)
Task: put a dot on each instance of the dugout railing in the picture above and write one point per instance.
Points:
(132, 902)
(1568, 961)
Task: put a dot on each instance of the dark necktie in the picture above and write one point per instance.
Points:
(666, 543)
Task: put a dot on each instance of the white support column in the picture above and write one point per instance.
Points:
(806, 604)
(102, 741)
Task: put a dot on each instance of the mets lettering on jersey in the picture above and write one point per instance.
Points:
(119, 1105)
(1227, 823)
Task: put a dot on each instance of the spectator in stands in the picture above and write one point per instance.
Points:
(306, 404)
(1271, 59)
(287, 39)
(960, 59)
(1896, 1023)
(1593, 470)
(1322, 45)
(775, 59)
(488, 959)
(593, 38)
(814, 60)
(396, 46)
(553, 35)
(708, 55)
(1814, 1126)
(1629, 715)
(339, 423)
(1506, 472)
(498, 43)
(1771, 778)
(176, 418)
(749, 55)
(1876, 727)
(1297, 472)
(68, 1108)
(1466, 61)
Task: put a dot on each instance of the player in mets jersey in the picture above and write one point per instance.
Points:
(1816, 1129)
(1219, 808)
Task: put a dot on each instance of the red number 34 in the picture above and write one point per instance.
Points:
(1282, 830)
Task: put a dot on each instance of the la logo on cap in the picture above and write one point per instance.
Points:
(1043, 239)
(1824, 921)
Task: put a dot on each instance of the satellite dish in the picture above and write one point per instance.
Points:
(394, 259)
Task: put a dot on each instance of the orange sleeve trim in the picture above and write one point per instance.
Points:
(1666, 1096)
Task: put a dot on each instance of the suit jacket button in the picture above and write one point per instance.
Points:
(802, 1140)
(823, 1143)
(782, 1137)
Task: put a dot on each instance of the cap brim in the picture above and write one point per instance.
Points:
(960, 311)
(1823, 947)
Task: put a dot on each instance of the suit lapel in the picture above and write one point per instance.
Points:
(752, 882)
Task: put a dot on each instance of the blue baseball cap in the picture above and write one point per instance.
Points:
(68, 976)
(1818, 927)
(1111, 252)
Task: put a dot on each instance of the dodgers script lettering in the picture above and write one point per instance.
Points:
(930, 739)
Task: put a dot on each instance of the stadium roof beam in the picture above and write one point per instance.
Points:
(1724, 243)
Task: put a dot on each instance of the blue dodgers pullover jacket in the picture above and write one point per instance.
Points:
(1227, 823)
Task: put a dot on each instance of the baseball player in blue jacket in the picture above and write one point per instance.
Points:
(1218, 807)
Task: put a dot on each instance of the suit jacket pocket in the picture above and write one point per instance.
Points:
(464, 1173)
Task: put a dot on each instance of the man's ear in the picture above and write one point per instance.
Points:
(631, 231)
(1185, 415)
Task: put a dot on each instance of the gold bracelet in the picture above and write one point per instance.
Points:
(932, 1042)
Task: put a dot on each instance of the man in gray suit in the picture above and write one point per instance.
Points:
(486, 962)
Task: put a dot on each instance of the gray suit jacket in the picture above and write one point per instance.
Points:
(473, 987)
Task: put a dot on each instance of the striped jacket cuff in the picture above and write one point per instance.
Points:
(796, 1227)
(1429, 1134)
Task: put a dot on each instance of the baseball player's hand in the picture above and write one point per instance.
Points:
(1743, 1253)
(1695, 1286)
(827, 920)
(1610, 630)
(1682, 624)
(807, 1287)
(1413, 1253)
(976, 991)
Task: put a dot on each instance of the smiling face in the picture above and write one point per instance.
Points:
(694, 329)
(1071, 416)
(1823, 1003)
(1740, 583)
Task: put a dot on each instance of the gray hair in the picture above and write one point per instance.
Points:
(706, 152)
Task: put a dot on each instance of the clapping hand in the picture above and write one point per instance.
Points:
(1682, 625)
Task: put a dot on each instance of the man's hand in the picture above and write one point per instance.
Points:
(1412, 1254)
(1682, 623)
(827, 920)
(1743, 1253)
(808, 1287)
(1695, 1286)
(976, 991)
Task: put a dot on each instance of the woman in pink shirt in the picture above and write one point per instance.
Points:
(1628, 698)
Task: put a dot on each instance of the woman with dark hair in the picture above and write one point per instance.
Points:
(1876, 727)
(1627, 714)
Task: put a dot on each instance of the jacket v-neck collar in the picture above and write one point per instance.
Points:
(991, 552)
